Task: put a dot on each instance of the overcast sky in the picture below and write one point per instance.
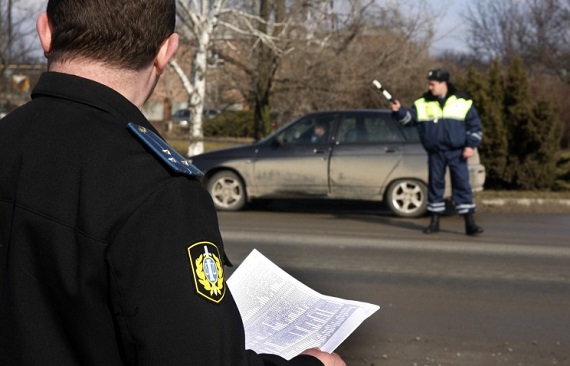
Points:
(451, 30)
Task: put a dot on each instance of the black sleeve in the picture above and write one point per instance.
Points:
(166, 312)
(272, 360)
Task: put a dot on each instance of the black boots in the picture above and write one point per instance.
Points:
(470, 227)
(434, 224)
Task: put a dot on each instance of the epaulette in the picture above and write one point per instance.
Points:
(165, 152)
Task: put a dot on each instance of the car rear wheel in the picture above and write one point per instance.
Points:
(227, 191)
(407, 198)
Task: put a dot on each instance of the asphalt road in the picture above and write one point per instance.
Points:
(502, 298)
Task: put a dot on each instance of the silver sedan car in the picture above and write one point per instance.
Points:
(345, 154)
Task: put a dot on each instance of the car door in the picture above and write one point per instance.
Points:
(367, 150)
(296, 162)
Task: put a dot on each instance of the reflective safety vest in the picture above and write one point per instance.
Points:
(445, 128)
(430, 110)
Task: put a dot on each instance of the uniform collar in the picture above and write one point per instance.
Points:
(91, 93)
(451, 91)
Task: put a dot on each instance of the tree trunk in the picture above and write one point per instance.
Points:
(196, 102)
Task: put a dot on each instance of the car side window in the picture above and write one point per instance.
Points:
(309, 130)
(379, 130)
(410, 132)
(347, 130)
(366, 128)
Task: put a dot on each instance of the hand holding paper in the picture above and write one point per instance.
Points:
(285, 317)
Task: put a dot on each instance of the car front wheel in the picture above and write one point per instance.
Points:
(407, 198)
(227, 191)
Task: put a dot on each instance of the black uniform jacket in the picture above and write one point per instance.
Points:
(96, 238)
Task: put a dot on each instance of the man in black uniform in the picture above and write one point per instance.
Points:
(110, 252)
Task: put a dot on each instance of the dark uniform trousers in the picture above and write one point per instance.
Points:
(459, 173)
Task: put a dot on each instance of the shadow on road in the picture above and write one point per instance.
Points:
(321, 206)
(361, 211)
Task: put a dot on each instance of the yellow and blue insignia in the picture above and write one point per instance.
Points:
(165, 152)
(208, 270)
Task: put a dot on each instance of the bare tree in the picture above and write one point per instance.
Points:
(17, 30)
(199, 18)
(199, 22)
(547, 42)
(16, 46)
(262, 25)
(497, 28)
(373, 42)
(536, 30)
(309, 54)
(286, 28)
(305, 35)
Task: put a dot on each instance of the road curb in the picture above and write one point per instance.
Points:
(524, 201)
(525, 205)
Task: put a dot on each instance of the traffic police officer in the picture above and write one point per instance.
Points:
(110, 251)
(450, 130)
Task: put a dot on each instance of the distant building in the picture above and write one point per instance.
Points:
(16, 82)
(223, 91)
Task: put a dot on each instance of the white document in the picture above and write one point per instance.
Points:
(283, 316)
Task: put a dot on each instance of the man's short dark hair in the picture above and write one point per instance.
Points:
(438, 75)
(125, 34)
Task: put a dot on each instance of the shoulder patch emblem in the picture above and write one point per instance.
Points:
(208, 270)
(165, 152)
